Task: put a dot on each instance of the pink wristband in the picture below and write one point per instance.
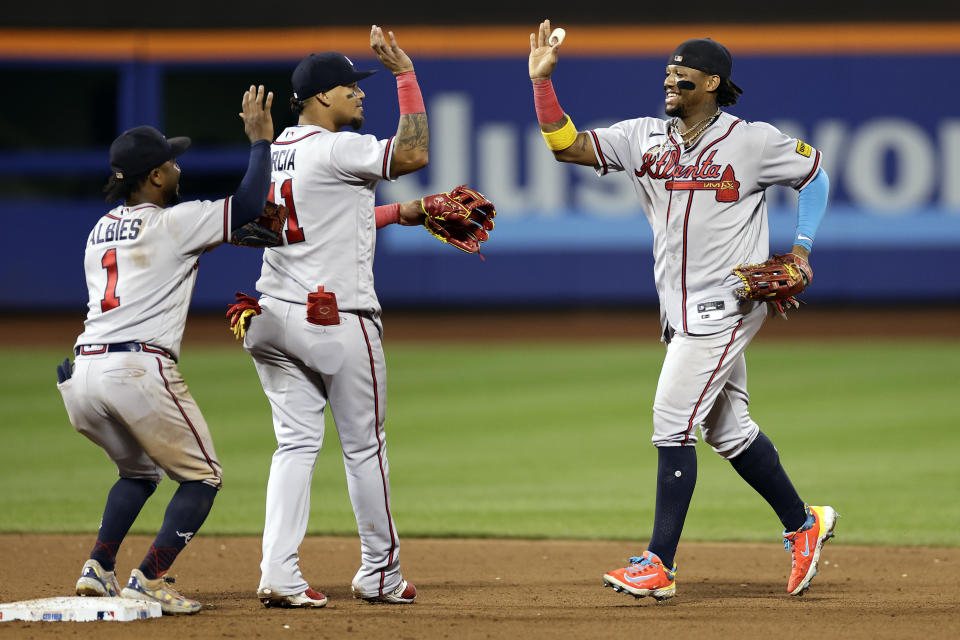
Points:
(387, 214)
(545, 100)
(408, 93)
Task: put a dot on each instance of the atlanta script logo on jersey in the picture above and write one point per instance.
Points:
(705, 176)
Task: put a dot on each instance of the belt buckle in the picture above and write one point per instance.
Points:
(92, 349)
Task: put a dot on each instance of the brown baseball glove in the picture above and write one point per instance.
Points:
(777, 281)
(462, 217)
(264, 230)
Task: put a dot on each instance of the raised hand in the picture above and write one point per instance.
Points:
(543, 55)
(389, 53)
(257, 121)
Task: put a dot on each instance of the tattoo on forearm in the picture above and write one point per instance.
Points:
(582, 142)
(413, 132)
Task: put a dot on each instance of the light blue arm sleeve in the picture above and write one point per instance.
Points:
(812, 202)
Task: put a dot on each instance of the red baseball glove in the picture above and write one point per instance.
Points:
(241, 312)
(777, 281)
(463, 217)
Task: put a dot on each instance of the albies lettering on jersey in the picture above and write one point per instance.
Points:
(115, 229)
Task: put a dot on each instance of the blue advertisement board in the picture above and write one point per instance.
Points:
(886, 127)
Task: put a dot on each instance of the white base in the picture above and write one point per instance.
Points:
(79, 609)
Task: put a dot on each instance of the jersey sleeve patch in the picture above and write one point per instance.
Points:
(804, 149)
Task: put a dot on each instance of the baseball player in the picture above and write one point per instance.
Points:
(124, 391)
(318, 338)
(700, 176)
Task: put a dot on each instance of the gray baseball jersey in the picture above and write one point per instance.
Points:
(705, 204)
(141, 265)
(326, 180)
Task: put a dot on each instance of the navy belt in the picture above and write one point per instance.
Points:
(96, 349)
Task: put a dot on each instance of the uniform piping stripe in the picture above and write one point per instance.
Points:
(669, 204)
(704, 150)
(159, 350)
(383, 476)
(386, 159)
(686, 218)
(686, 435)
(312, 133)
(112, 217)
(670, 200)
(683, 262)
(176, 401)
(226, 219)
(813, 172)
(596, 143)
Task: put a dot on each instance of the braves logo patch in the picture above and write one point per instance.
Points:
(803, 148)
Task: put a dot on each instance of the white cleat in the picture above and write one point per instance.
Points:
(308, 599)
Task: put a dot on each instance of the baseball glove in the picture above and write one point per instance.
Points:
(463, 217)
(240, 313)
(777, 281)
(264, 230)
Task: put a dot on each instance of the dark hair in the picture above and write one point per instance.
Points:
(120, 189)
(296, 106)
(727, 93)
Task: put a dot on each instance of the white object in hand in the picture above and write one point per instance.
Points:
(556, 36)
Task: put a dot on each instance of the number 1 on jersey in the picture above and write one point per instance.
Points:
(294, 233)
(110, 299)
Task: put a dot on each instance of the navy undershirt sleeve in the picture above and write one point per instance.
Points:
(251, 195)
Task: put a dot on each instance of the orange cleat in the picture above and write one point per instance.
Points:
(645, 576)
(805, 545)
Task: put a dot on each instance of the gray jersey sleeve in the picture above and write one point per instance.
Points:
(784, 160)
(365, 157)
(199, 224)
(614, 145)
(620, 147)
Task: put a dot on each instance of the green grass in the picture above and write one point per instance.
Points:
(548, 440)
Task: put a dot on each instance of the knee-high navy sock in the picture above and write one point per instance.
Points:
(187, 510)
(760, 466)
(676, 479)
(124, 503)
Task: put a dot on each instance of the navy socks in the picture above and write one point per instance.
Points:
(186, 512)
(676, 479)
(760, 466)
(124, 503)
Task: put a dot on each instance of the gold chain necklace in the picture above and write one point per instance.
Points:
(693, 133)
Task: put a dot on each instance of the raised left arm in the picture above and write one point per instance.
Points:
(412, 141)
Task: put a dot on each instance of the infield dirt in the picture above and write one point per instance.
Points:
(516, 589)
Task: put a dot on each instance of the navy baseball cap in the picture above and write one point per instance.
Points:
(320, 72)
(705, 55)
(136, 151)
